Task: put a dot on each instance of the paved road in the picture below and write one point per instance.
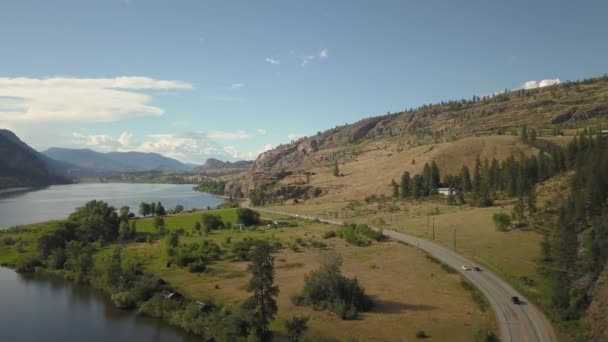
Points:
(517, 323)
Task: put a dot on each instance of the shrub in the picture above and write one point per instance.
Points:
(28, 264)
(9, 241)
(247, 216)
(295, 327)
(212, 222)
(197, 267)
(330, 234)
(328, 289)
(502, 221)
(421, 334)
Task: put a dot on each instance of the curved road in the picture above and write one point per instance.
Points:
(517, 323)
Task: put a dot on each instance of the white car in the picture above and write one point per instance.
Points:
(465, 267)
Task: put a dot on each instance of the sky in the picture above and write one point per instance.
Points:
(230, 79)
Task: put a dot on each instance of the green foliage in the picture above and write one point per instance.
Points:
(79, 259)
(295, 327)
(258, 197)
(262, 303)
(327, 289)
(215, 187)
(502, 221)
(95, 220)
(247, 217)
(197, 266)
(159, 224)
(212, 222)
(360, 234)
(206, 251)
(28, 264)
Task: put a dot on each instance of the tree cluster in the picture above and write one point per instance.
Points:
(155, 209)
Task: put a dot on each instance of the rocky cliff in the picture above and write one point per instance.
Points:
(568, 105)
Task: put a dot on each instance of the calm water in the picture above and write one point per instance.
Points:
(35, 308)
(25, 206)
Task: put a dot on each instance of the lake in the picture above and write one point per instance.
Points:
(24, 206)
(39, 308)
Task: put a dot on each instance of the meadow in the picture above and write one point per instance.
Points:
(411, 292)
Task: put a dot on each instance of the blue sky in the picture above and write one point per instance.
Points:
(229, 79)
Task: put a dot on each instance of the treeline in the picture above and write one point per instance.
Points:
(512, 177)
(578, 250)
(215, 187)
(154, 209)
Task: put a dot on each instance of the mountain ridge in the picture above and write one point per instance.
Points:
(116, 162)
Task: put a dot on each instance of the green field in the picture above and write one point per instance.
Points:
(410, 291)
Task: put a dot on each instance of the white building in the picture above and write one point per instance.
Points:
(445, 191)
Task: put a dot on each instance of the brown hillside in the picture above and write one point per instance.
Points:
(374, 150)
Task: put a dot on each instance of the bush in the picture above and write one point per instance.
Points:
(9, 241)
(212, 222)
(421, 334)
(247, 216)
(28, 264)
(328, 289)
(360, 234)
(197, 267)
(123, 300)
(295, 327)
(330, 234)
(502, 221)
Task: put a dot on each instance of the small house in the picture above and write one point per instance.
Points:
(445, 191)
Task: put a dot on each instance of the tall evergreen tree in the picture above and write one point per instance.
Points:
(465, 179)
(262, 302)
(405, 185)
(476, 181)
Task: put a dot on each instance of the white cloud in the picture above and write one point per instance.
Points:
(324, 54)
(272, 60)
(236, 86)
(261, 131)
(75, 99)
(191, 147)
(101, 142)
(219, 135)
(533, 84)
(125, 139)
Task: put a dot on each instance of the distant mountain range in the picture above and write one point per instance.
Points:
(218, 167)
(116, 162)
(21, 165)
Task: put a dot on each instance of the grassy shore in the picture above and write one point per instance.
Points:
(411, 292)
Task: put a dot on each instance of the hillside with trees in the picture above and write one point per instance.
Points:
(20, 165)
(449, 132)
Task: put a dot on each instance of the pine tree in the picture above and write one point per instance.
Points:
(476, 181)
(427, 180)
(262, 302)
(395, 187)
(405, 185)
(435, 178)
(336, 169)
(465, 179)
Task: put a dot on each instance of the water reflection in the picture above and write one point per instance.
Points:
(42, 308)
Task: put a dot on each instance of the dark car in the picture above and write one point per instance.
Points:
(476, 268)
(515, 300)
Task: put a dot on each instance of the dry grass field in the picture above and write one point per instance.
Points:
(376, 163)
(411, 292)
